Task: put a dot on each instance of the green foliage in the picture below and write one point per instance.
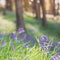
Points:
(32, 24)
(21, 52)
(33, 27)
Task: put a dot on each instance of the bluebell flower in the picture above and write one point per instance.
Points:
(1, 38)
(58, 47)
(4, 44)
(46, 44)
(25, 36)
(16, 39)
(13, 34)
(44, 39)
(58, 43)
(55, 57)
(21, 30)
(26, 45)
(13, 48)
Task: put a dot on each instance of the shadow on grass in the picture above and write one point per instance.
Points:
(52, 30)
(10, 16)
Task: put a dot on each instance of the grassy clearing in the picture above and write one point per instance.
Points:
(35, 30)
(18, 51)
(32, 24)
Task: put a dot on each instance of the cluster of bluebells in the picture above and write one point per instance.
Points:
(45, 44)
(2, 34)
(48, 45)
(4, 44)
(14, 37)
(55, 57)
(20, 31)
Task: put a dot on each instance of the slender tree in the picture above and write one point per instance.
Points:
(36, 8)
(9, 4)
(58, 8)
(19, 14)
(44, 22)
(4, 8)
(26, 5)
(53, 7)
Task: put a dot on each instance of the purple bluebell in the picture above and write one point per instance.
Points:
(1, 38)
(4, 44)
(58, 43)
(13, 48)
(24, 36)
(44, 39)
(16, 39)
(13, 35)
(55, 57)
(58, 47)
(21, 30)
(26, 46)
(46, 50)
(49, 46)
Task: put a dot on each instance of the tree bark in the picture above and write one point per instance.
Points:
(36, 7)
(53, 7)
(44, 22)
(19, 14)
(26, 5)
(9, 4)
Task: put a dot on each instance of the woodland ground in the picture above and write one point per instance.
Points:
(33, 26)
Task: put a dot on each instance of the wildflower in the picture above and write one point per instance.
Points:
(16, 39)
(44, 39)
(46, 50)
(13, 34)
(13, 48)
(21, 30)
(26, 46)
(58, 47)
(3, 44)
(55, 57)
(25, 36)
(0, 38)
(50, 47)
(58, 43)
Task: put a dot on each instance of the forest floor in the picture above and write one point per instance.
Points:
(29, 45)
(33, 26)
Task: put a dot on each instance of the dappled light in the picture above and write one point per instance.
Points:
(29, 30)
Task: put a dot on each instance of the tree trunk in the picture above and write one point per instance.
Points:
(9, 4)
(19, 14)
(4, 9)
(36, 7)
(44, 22)
(53, 7)
(58, 8)
(26, 5)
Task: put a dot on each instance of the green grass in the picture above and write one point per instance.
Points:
(52, 30)
(6, 24)
(35, 30)
(22, 53)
